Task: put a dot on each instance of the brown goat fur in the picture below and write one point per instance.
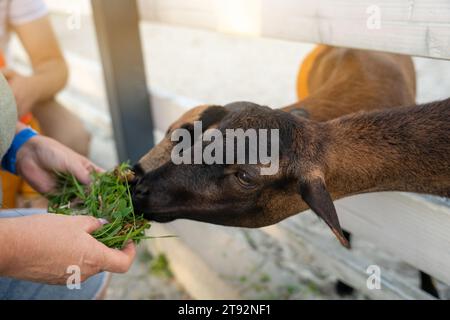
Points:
(401, 149)
(396, 149)
(344, 81)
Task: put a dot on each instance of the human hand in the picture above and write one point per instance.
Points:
(24, 91)
(41, 247)
(40, 158)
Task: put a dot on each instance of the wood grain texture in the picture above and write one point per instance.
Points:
(407, 225)
(416, 27)
(344, 264)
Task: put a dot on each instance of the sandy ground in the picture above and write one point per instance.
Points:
(215, 69)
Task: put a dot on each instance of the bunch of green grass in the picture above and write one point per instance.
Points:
(109, 198)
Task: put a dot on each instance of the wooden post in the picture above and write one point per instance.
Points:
(117, 25)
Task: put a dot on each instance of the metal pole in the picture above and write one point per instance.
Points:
(117, 25)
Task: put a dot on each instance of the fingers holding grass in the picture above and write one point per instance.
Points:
(107, 197)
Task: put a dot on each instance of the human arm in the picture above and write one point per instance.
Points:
(41, 248)
(38, 159)
(50, 71)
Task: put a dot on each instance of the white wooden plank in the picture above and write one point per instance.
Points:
(436, 11)
(203, 258)
(412, 228)
(199, 12)
(418, 27)
(70, 6)
(345, 264)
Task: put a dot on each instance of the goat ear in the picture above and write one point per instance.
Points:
(315, 194)
(212, 115)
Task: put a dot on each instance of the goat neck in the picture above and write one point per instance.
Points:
(401, 149)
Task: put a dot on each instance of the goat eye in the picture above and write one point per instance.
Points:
(244, 179)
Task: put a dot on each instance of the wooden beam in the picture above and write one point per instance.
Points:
(407, 225)
(415, 27)
(203, 258)
(344, 264)
(117, 25)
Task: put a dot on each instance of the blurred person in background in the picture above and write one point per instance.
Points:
(35, 93)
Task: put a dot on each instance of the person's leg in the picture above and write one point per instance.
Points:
(59, 123)
(13, 289)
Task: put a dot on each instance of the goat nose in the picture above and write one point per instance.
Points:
(138, 170)
(140, 190)
(134, 183)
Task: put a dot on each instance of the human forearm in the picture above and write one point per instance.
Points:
(5, 246)
(49, 67)
(48, 79)
(41, 247)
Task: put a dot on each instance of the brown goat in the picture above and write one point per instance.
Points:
(401, 149)
(397, 149)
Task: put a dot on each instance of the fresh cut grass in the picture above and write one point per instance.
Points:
(108, 197)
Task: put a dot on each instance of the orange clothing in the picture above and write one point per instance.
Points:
(2, 61)
(14, 186)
